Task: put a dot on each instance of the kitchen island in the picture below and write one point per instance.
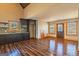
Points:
(13, 37)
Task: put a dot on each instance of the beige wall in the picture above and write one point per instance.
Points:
(10, 11)
(42, 28)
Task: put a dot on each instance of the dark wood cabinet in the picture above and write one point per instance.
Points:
(30, 26)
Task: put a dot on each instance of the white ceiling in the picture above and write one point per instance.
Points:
(48, 12)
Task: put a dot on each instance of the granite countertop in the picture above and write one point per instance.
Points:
(13, 33)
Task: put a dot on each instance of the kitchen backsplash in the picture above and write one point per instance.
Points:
(10, 26)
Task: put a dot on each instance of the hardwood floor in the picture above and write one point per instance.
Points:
(46, 47)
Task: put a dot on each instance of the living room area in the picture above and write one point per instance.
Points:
(39, 29)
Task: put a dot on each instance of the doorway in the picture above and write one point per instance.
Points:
(60, 30)
(32, 29)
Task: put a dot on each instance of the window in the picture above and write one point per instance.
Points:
(51, 28)
(71, 28)
(60, 27)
